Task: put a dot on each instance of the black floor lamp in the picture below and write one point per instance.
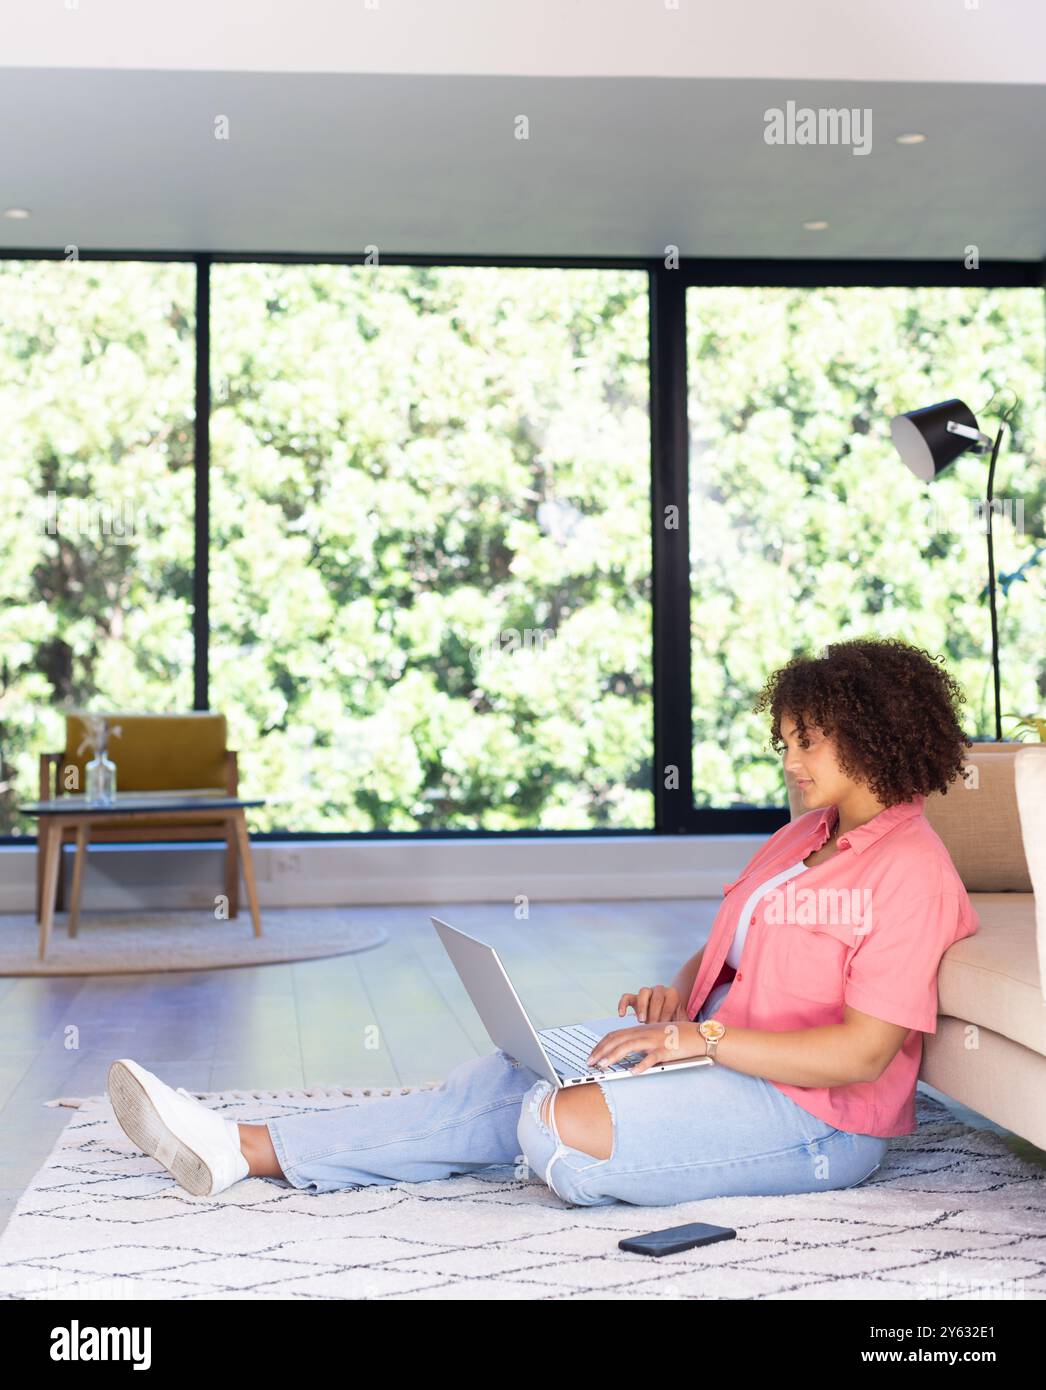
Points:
(930, 439)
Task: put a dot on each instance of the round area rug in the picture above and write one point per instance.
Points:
(127, 943)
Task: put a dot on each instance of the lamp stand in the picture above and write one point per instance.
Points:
(991, 588)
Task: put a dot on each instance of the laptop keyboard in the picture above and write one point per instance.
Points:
(572, 1046)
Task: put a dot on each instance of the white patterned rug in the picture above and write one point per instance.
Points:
(952, 1214)
(122, 943)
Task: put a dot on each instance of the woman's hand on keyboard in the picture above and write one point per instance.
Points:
(654, 1042)
(654, 1004)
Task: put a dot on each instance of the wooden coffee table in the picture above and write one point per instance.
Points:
(78, 814)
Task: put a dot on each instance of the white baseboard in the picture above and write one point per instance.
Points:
(303, 873)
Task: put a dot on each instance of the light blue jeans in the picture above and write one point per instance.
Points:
(677, 1137)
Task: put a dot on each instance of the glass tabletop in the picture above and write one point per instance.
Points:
(127, 802)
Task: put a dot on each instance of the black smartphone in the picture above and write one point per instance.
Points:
(676, 1238)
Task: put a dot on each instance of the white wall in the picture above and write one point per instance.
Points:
(318, 872)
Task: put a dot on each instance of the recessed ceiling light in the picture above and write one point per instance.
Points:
(912, 138)
(814, 226)
(17, 214)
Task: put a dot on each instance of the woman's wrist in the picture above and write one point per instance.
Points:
(683, 983)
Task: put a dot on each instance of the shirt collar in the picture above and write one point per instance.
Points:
(872, 830)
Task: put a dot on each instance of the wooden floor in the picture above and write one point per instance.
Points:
(395, 1014)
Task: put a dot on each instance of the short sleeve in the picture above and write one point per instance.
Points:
(893, 972)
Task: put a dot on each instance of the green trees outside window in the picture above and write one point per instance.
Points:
(805, 525)
(430, 545)
(97, 363)
(429, 533)
(430, 530)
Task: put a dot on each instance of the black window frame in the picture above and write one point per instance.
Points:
(674, 809)
(786, 274)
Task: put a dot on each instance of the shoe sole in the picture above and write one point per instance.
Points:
(138, 1117)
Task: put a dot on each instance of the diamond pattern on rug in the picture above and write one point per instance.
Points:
(951, 1215)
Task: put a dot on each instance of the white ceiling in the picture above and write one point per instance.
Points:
(845, 40)
(110, 154)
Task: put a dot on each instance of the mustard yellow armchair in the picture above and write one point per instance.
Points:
(153, 753)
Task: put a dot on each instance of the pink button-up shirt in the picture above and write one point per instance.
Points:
(867, 927)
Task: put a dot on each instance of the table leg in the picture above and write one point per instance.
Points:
(232, 869)
(51, 827)
(41, 850)
(247, 864)
(59, 890)
(83, 831)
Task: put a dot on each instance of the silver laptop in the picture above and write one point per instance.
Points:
(560, 1055)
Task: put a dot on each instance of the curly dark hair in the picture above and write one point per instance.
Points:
(893, 711)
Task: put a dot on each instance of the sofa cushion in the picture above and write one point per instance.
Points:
(992, 978)
(978, 820)
(1030, 781)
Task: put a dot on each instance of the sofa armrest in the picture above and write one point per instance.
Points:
(1029, 776)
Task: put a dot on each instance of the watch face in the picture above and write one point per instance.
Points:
(712, 1028)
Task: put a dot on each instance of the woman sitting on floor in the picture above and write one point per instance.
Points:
(819, 976)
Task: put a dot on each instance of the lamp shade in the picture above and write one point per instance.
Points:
(923, 440)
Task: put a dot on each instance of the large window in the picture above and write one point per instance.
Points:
(806, 527)
(96, 491)
(430, 545)
(407, 547)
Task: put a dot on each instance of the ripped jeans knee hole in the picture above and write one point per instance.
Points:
(541, 1103)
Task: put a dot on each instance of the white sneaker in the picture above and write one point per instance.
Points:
(196, 1145)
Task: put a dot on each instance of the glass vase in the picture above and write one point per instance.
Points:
(101, 781)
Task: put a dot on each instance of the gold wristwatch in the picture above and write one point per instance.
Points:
(711, 1030)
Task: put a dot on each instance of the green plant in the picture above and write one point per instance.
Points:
(1032, 724)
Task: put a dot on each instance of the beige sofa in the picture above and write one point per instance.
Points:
(989, 1051)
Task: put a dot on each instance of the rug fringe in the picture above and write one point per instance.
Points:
(288, 1093)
